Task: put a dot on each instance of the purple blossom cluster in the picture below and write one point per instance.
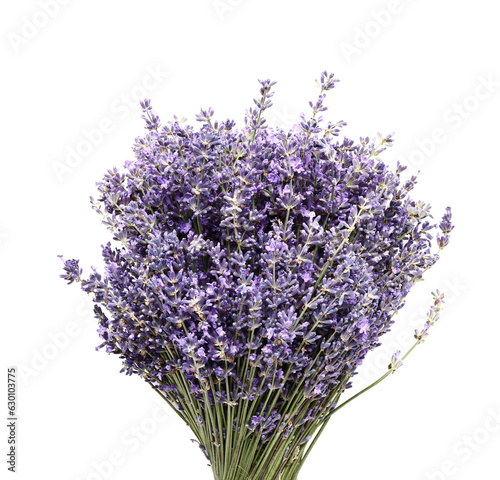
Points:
(253, 269)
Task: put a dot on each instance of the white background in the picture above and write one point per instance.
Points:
(406, 66)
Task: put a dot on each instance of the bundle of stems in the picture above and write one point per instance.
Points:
(252, 271)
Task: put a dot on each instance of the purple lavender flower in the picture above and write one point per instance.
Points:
(252, 272)
(72, 270)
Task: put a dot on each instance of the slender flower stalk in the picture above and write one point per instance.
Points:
(251, 273)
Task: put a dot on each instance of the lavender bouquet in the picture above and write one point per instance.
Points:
(252, 272)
